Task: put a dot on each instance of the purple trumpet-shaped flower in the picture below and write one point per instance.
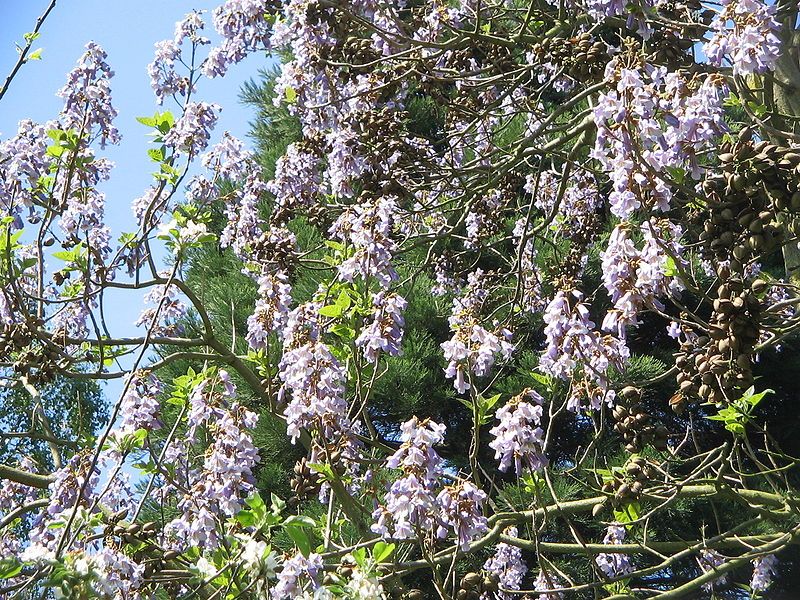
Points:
(614, 564)
(508, 566)
(385, 333)
(518, 439)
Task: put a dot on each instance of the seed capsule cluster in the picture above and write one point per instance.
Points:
(305, 483)
(39, 363)
(635, 425)
(582, 57)
(757, 182)
(473, 585)
(627, 484)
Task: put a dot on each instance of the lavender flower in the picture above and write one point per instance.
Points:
(23, 160)
(163, 318)
(65, 493)
(192, 131)
(544, 583)
(294, 570)
(461, 509)
(571, 341)
(244, 28)
(753, 44)
(637, 279)
(87, 97)
(410, 501)
(368, 229)
(385, 333)
(217, 491)
(765, 569)
(117, 575)
(272, 309)
(508, 566)
(297, 182)
(472, 347)
(709, 560)
(518, 439)
(614, 564)
(634, 124)
(140, 406)
(313, 376)
(164, 79)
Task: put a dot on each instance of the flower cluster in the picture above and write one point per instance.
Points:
(531, 285)
(303, 75)
(576, 206)
(482, 220)
(410, 502)
(765, 569)
(367, 230)
(295, 569)
(461, 509)
(364, 586)
(709, 560)
(575, 350)
(297, 181)
(545, 583)
(272, 309)
(140, 406)
(73, 485)
(412, 505)
(472, 348)
(508, 566)
(614, 564)
(629, 130)
(164, 78)
(87, 97)
(23, 161)
(12, 496)
(752, 45)
(518, 439)
(636, 279)
(163, 318)
(313, 376)
(117, 575)
(385, 333)
(244, 28)
(226, 478)
(192, 131)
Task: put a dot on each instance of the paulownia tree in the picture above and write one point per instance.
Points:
(584, 212)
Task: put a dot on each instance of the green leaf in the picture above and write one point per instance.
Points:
(542, 379)
(300, 538)
(630, 512)
(331, 310)
(291, 94)
(323, 469)
(344, 300)
(9, 568)
(670, 268)
(147, 121)
(360, 556)
(36, 54)
(488, 403)
(344, 332)
(300, 520)
(277, 503)
(381, 551)
(55, 150)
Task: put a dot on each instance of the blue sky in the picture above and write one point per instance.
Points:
(127, 30)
